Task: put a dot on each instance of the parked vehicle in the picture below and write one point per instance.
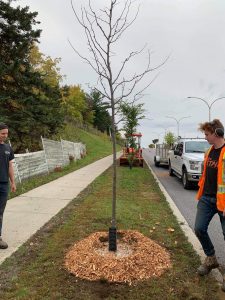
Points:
(161, 154)
(132, 152)
(186, 160)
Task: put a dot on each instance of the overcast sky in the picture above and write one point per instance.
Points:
(191, 32)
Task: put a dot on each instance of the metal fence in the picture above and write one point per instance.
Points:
(54, 154)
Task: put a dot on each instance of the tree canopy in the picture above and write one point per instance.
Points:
(29, 103)
(170, 138)
(131, 114)
(102, 119)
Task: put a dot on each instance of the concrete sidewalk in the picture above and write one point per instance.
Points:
(27, 213)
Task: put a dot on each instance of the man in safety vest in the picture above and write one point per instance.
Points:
(211, 194)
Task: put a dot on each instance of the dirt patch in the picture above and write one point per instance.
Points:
(137, 258)
(151, 196)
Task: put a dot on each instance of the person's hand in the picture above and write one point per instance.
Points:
(224, 212)
(13, 187)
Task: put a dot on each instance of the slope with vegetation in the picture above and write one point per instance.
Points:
(98, 145)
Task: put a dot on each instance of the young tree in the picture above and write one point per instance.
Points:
(170, 138)
(103, 29)
(131, 114)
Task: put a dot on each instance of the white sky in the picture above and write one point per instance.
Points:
(190, 31)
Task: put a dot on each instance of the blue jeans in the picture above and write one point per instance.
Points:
(206, 209)
(3, 199)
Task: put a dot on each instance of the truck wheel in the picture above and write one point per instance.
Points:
(157, 163)
(186, 183)
(170, 169)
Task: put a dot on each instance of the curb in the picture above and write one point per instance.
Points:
(184, 226)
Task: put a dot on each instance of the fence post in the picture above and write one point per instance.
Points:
(17, 170)
(43, 145)
(62, 151)
(74, 152)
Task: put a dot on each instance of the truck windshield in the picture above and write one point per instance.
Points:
(196, 146)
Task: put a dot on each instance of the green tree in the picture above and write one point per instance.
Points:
(88, 113)
(131, 114)
(170, 138)
(151, 145)
(46, 66)
(28, 104)
(74, 103)
(102, 119)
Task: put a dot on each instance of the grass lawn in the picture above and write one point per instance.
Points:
(36, 270)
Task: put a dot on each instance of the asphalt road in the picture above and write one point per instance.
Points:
(186, 203)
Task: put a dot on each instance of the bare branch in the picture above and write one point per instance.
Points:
(125, 25)
(97, 18)
(127, 59)
(138, 77)
(104, 88)
(93, 43)
(76, 15)
(104, 95)
(93, 37)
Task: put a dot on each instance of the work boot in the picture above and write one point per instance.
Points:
(209, 264)
(223, 284)
(222, 271)
(3, 245)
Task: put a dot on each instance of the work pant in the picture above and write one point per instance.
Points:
(3, 199)
(206, 209)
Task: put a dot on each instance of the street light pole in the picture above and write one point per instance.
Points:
(178, 123)
(209, 105)
(165, 132)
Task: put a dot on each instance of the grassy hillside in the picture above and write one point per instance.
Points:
(98, 145)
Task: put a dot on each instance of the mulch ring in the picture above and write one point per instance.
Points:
(137, 258)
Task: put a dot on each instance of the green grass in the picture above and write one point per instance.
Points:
(36, 270)
(97, 146)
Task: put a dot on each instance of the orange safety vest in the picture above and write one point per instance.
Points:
(220, 196)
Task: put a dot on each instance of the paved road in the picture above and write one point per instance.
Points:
(186, 203)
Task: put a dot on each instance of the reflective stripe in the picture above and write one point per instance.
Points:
(223, 168)
(221, 189)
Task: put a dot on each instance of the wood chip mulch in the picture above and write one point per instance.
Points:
(137, 258)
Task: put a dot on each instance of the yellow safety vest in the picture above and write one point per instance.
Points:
(220, 196)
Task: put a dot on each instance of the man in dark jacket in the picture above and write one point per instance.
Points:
(6, 175)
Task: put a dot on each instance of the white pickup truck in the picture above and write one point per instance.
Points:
(186, 160)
